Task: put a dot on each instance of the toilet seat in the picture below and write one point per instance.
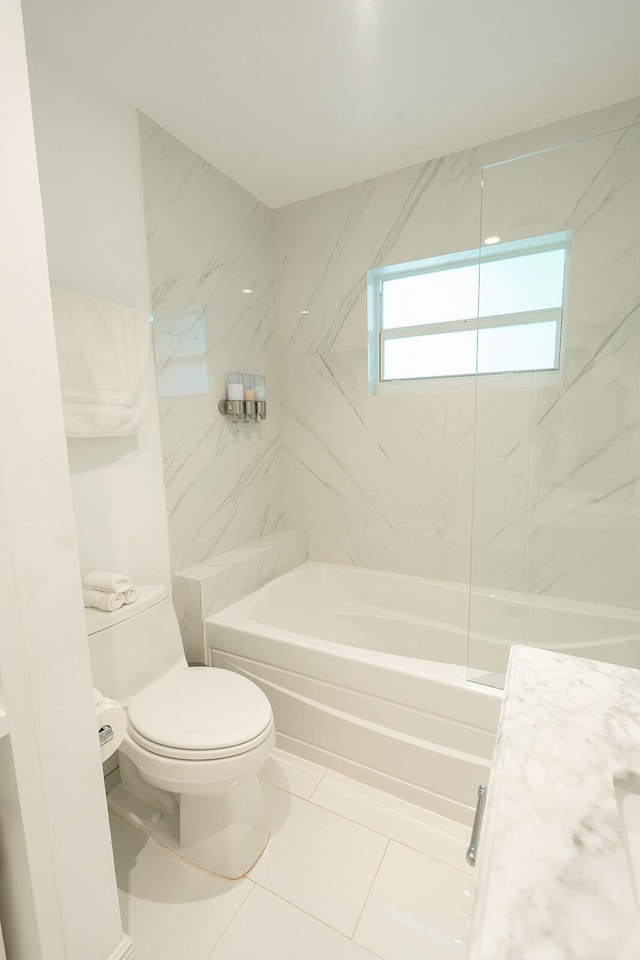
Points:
(200, 713)
(181, 753)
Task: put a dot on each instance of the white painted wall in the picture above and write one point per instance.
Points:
(89, 163)
(88, 159)
(65, 861)
(17, 904)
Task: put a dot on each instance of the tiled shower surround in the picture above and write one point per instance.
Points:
(388, 482)
(208, 239)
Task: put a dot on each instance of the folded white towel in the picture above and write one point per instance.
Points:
(103, 351)
(110, 582)
(103, 600)
(129, 594)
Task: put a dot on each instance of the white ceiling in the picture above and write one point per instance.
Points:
(295, 97)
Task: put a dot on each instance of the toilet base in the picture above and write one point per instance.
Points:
(224, 832)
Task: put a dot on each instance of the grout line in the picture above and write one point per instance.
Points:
(433, 792)
(429, 814)
(466, 872)
(333, 813)
(311, 795)
(291, 792)
(366, 899)
(227, 925)
(256, 883)
(377, 832)
(311, 916)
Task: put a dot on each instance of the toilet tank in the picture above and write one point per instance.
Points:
(132, 647)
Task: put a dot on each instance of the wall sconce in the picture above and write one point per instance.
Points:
(246, 398)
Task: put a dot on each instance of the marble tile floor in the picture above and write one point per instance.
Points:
(350, 873)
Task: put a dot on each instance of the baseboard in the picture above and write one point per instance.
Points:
(125, 949)
(443, 806)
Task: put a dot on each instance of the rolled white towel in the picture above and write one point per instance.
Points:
(103, 600)
(109, 582)
(129, 594)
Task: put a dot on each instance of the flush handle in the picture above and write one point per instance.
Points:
(472, 852)
(105, 734)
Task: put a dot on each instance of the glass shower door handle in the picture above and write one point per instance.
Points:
(472, 852)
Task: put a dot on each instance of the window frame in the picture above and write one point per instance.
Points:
(377, 335)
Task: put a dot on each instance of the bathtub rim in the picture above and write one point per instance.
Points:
(514, 597)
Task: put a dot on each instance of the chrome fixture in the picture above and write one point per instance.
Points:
(472, 852)
(105, 735)
(246, 398)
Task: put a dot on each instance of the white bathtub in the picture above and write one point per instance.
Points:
(498, 619)
(366, 673)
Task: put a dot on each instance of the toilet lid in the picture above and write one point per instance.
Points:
(199, 709)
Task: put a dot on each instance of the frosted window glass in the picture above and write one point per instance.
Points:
(519, 284)
(524, 346)
(512, 285)
(431, 355)
(434, 297)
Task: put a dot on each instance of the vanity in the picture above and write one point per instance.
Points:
(558, 863)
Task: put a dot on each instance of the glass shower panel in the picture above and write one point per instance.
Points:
(556, 499)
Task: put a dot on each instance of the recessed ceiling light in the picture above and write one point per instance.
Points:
(246, 290)
(491, 240)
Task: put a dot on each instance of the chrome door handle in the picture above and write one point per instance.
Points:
(472, 852)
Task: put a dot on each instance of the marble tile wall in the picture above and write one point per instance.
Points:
(376, 481)
(208, 239)
(556, 497)
(205, 588)
(388, 481)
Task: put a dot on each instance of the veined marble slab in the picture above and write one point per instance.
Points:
(208, 241)
(550, 462)
(553, 881)
(205, 588)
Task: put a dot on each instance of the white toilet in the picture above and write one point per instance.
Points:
(196, 738)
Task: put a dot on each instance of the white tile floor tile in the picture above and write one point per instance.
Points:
(408, 824)
(268, 927)
(417, 909)
(318, 861)
(330, 873)
(291, 773)
(170, 909)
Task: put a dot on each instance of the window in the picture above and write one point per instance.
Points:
(495, 310)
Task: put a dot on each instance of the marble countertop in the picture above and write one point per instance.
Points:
(552, 879)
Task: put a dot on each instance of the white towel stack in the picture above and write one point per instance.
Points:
(107, 591)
